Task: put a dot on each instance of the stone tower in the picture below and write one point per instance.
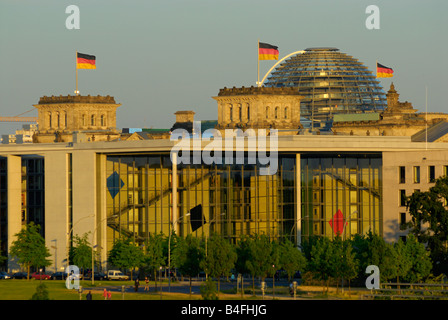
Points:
(62, 117)
(259, 108)
(392, 96)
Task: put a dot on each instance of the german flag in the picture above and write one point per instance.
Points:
(85, 61)
(383, 71)
(267, 51)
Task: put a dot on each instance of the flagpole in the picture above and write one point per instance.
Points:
(426, 120)
(376, 69)
(76, 67)
(258, 60)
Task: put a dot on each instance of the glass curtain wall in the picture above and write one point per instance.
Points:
(3, 208)
(33, 191)
(338, 188)
(235, 199)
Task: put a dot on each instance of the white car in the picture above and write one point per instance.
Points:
(4, 275)
(116, 275)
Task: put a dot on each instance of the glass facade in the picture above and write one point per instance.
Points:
(33, 191)
(236, 200)
(348, 185)
(32, 196)
(3, 207)
(330, 82)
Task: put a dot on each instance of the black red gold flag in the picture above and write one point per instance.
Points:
(85, 61)
(267, 51)
(383, 71)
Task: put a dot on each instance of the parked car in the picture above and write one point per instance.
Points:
(4, 275)
(20, 275)
(74, 276)
(116, 275)
(40, 276)
(59, 275)
(96, 276)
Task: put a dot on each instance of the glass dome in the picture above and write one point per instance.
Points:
(330, 82)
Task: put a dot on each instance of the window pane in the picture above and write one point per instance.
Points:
(417, 174)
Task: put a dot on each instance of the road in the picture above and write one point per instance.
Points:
(184, 286)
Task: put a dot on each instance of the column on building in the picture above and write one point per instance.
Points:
(14, 181)
(85, 215)
(57, 207)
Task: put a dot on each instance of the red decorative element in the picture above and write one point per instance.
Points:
(337, 222)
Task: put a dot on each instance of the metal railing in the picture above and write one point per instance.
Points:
(420, 291)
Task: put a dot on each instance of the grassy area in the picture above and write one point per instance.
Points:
(23, 290)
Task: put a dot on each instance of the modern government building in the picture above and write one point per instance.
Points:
(339, 147)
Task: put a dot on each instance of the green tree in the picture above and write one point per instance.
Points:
(125, 255)
(260, 264)
(172, 243)
(372, 249)
(243, 254)
(220, 257)
(350, 265)
(387, 259)
(336, 260)
(154, 256)
(41, 293)
(308, 244)
(273, 256)
(2, 258)
(291, 258)
(82, 252)
(421, 265)
(403, 261)
(321, 259)
(360, 247)
(208, 290)
(30, 249)
(188, 255)
(429, 222)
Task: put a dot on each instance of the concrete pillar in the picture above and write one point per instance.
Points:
(14, 180)
(175, 216)
(102, 208)
(57, 207)
(84, 193)
(298, 200)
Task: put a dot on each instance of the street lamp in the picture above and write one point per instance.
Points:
(349, 217)
(209, 224)
(295, 226)
(93, 247)
(71, 230)
(343, 232)
(55, 247)
(206, 238)
(169, 252)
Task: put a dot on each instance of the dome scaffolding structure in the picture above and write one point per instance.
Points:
(331, 82)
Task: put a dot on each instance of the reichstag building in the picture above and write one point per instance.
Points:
(331, 171)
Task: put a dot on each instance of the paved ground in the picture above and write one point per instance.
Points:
(184, 286)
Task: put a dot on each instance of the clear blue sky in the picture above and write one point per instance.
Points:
(158, 57)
